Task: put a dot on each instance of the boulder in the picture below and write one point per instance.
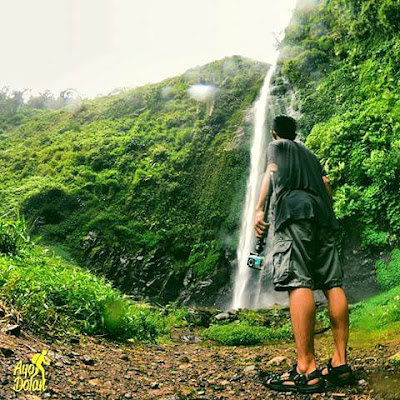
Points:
(279, 360)
(222, 316)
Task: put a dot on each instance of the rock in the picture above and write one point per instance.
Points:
(236, 377)
(14, 330)
(88, 360)
(222, 316)
(279, 360)
(125, 357)
(154, 385)
(183, 359)
(188, 277)
(362, 382)
(232, 311)
(190, 338)
(204, 284)
(249, 368)
(151, 282)
(7, 351)
(128, 395)
(338, 395)
(74, 340)
(94, 382)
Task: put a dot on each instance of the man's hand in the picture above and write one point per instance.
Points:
(259, 224)
(327, 185)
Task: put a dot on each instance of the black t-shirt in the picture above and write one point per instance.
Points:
(299, 188)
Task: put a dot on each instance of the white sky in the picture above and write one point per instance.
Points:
(95, 46)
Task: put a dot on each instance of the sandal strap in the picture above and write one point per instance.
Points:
(300, 379)
(303, 379)
(293, 372)
(313, 375)
(338, 370)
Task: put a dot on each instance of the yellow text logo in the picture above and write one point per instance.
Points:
(31, 376)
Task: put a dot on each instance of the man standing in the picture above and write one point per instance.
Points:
(305, 257)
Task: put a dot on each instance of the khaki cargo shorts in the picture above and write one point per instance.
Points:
(305, 255)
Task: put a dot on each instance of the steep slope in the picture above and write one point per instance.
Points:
(339, 72)
(144, 187)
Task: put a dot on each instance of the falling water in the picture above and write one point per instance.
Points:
(248, 290)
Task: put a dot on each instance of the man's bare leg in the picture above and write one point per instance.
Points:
(302, 315)
(339, 316)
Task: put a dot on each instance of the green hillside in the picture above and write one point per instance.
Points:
(141, 186)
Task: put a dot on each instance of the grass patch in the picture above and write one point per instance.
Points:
(243, 333)
(378, 312)
(59, 250)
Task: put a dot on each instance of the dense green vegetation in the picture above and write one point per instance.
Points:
(388, 274)
(52, 297)
(342, 59)
(140, 186)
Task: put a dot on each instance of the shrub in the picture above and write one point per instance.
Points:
(388, 274)
(13, 236)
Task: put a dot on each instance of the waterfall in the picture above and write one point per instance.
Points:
(249, 290)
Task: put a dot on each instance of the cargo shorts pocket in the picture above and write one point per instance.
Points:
(281, 260)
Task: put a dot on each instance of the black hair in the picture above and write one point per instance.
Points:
(285, 127)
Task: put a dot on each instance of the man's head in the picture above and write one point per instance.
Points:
(284, 127)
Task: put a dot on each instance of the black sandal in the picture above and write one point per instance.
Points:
(339, 376)
(300, 382)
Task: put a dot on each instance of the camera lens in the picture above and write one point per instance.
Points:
(250, 262)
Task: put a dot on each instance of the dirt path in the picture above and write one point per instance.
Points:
(96, 369)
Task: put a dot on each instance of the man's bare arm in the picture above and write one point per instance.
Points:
(259, 223)
(265, 186)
